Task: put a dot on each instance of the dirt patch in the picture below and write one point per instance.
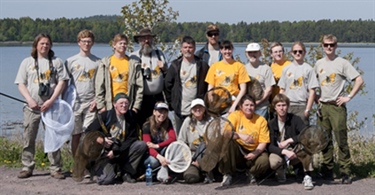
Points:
(42, 183)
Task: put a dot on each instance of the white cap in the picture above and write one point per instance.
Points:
(197, 101)
(160, 106)
(253, 47)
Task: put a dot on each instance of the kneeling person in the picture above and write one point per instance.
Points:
(124, 151)
(246, 150)
(284, 131)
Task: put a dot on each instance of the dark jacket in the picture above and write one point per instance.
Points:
(293, 126)
(173, 87)
(109, 118)
(205, 55)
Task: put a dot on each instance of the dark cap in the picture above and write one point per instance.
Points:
(142, 33)
(212, 28)
(119, 96)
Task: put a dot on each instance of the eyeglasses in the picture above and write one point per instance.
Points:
(86, 42)
(297, 51)
(212, 34)
(329, 44)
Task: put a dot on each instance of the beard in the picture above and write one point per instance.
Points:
(146, 49)
(187, 55)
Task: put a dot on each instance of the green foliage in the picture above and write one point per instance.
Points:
(146, 13)
(157, 15)
(11, 150)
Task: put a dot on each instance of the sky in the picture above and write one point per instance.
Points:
(223, 11)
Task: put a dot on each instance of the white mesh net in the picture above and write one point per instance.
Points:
(59, 121)
(179, 156)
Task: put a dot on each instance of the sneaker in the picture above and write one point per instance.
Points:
(251, 177)
(127, 178)
(307, 183)
(58, 175)
(346, 180)
(281, 175)
(209, 178)
(227, 180)
(24, 174)
(170, 180)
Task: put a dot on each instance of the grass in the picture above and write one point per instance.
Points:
(362, 154)
(11, 150)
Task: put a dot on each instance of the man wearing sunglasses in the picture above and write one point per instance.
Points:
(210, 53)
(332, 73)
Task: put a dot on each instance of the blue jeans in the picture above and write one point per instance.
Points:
(263, 112)
(154, 163)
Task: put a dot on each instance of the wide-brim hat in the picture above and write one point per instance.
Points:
(142, 33)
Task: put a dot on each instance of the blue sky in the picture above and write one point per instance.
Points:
(225, 11)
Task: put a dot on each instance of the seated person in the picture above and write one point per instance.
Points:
(158, 133)
(191, 133)
(123, 150)
(246, 149)
(284, 131)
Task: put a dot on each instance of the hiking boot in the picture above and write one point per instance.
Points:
(127, 178)
(227, 180)
(281, 175)
(58, 175)
(24, 174)
(307, 183)
(346, 180)
(326, 176)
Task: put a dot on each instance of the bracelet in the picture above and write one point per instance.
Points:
(349, 96)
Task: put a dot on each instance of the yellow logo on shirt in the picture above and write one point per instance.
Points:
(86, 76)
(296, 83)
(329, 79)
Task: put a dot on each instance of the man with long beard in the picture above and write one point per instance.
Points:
(154, 67)
(184, 81)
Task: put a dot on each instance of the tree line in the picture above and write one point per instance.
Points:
(105, 27)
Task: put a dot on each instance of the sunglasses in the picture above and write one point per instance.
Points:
(329, 44)
(212, 34)
(297, 51)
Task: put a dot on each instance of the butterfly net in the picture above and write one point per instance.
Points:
(254, 88)
(179, 156)
(217, 136)
(88, 150)
(313, 139)
(218, 101)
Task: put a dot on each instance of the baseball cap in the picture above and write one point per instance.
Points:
(120, 95)
(197, 101)
(253, 47)
(160, 106)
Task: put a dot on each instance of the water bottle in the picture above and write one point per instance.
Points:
(148, 175)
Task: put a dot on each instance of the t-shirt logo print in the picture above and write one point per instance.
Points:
(329, 79)
(192, 82)
(297, 83)
(87, 76)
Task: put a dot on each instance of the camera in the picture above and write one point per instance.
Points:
(43, 89)
(147, 73)
(116, 146)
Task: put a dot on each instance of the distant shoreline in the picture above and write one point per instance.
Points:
(29, 43)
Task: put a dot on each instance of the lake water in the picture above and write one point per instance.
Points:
(11, 57)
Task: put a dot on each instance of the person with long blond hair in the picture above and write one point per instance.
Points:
(158, 133)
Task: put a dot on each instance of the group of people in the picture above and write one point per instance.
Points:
(128, 97)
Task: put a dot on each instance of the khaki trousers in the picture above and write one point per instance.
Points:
(31, 124)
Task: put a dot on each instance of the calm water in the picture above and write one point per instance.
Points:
(11, 57)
